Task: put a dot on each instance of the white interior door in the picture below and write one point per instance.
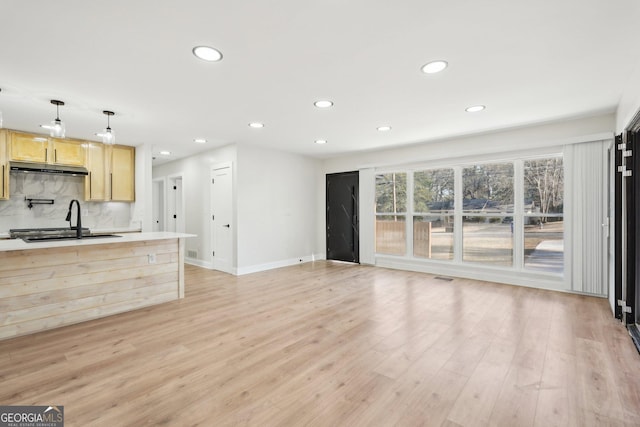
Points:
(221, 218)
(158, 205)
(175, 205)
(180, 220)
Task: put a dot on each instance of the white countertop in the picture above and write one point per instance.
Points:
(115, 230)
(20, 245)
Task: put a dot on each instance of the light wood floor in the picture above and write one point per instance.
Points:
(330, 344)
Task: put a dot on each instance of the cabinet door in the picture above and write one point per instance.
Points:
(67, 152)
(4, 167)
(122, 173)
(95, 184)
(28, 148)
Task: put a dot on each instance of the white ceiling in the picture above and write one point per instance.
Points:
(527, 61)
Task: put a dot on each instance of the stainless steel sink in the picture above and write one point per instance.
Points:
(34, 235)
(35, 239)
(20, 233)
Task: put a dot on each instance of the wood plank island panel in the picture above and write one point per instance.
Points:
(45, 288)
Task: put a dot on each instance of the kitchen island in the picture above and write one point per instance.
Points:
(49, 284)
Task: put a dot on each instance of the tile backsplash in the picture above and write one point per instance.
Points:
(15, 213)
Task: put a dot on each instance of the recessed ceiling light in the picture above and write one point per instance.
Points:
(475, 108)
(321, 141)
(200, 141)
(323, 104)
(256, 125)
(165, 153)
(434, 67)
(384, 128)
(207, 53)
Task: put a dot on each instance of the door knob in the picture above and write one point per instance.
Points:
(227, 225)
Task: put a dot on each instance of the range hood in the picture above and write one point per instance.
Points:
(47, 168)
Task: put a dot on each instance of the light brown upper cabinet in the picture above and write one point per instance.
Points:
(111, 173)
(122, 173)
(111, 167)
(67, 152)
(28, 147)
(95, 184)
(4, 166)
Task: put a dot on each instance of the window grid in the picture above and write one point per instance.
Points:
(505, 215)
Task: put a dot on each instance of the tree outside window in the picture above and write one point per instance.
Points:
(543, 215)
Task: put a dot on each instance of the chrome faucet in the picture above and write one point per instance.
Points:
(78, 221)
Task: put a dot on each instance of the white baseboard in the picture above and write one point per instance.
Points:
(198, 262)
(318, 257)
(276, 264)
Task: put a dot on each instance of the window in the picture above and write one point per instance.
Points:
(433, 207)
(543, 215)
(391, 210)
(488, 188)
(487, 206)
(469, 214)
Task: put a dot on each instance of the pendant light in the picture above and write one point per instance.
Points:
(108, 135)
(57, 127)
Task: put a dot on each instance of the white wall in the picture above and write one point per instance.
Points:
(196, 176)
(141, 215)
(629, 103)
(276, 208)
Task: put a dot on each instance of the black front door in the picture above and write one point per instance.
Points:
(619, 230)
(627, 295)
(342, 217)
(633, 225)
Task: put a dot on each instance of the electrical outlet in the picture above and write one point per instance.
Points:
(152, 258)
(85, 212)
